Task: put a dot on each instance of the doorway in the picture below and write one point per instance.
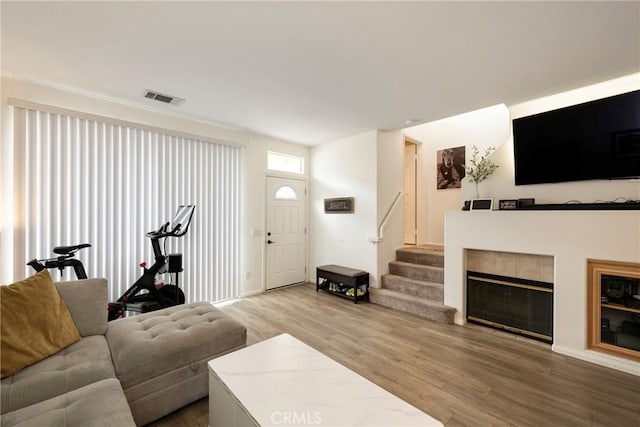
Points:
(410, 192)
(286, 242)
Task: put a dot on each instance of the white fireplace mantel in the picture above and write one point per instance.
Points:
(571, 237)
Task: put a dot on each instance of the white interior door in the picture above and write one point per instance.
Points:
(286, 232)
(410, 184)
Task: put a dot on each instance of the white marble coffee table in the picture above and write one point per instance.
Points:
(283, 382)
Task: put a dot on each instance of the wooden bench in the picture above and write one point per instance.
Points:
(345, 278)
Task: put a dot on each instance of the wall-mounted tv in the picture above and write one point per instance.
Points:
(595, 140)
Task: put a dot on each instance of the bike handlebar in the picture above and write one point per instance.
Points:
(181, 220)
(163, 232)
(160, 232)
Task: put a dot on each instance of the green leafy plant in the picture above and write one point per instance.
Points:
(480, 169)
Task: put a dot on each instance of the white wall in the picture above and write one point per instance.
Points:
(345, 168)
(390, 176)
(253, 173)
(571, 237)
(482, 128)
(6, 189)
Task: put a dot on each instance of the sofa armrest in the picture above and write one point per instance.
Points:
(87, 301)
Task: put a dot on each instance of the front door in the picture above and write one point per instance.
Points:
(286, 232)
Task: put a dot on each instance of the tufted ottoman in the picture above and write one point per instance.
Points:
(161, 357)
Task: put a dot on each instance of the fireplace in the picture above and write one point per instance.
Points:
(562, 241)
(516, 305)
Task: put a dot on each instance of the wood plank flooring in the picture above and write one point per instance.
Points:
(461, 375)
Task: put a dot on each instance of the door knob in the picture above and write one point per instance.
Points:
(270, 242)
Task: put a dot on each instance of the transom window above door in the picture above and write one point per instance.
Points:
(285, 162)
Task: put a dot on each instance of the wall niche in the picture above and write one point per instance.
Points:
(614, 308)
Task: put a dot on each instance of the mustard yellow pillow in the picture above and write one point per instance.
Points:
(34, 323)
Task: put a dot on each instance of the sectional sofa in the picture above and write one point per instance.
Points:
(130, 371)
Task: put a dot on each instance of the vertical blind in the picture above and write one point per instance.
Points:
(81, 180)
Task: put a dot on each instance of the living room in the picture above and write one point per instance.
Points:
(365, 163)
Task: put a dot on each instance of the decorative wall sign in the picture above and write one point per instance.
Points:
(450, 164)
(338, 205)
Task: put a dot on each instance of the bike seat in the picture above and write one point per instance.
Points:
(66, 250)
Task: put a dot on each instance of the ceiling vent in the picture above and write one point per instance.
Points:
(161, 97)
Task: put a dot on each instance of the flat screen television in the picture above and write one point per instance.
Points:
(595, 140)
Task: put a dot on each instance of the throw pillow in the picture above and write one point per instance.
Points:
(34, 323)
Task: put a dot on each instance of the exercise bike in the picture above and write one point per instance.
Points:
(144, 295)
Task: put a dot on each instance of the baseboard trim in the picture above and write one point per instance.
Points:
(591, 356)
(251, 293)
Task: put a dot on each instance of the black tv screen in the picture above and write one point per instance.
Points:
(595, 140)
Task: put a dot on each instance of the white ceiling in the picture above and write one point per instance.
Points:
(310, 72)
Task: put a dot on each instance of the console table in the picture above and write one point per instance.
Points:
(283, 381)
(345, 278)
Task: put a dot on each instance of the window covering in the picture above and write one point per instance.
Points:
(83, 180)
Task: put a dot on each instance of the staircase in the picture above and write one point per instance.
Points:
(415, 284)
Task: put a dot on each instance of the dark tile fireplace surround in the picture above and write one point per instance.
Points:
(511, 292)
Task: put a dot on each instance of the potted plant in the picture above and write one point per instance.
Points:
(480, 169)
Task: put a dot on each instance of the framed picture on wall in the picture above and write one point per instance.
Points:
(338, 205)
(450, 167)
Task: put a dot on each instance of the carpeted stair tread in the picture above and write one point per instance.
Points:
(422, 307)
(425, 255)
(417, 271)
(412, 299)
(415, 284)
(421, 288)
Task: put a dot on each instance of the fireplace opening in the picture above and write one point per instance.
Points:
(516, 305)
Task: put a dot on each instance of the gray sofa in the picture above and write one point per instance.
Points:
(130, 371)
